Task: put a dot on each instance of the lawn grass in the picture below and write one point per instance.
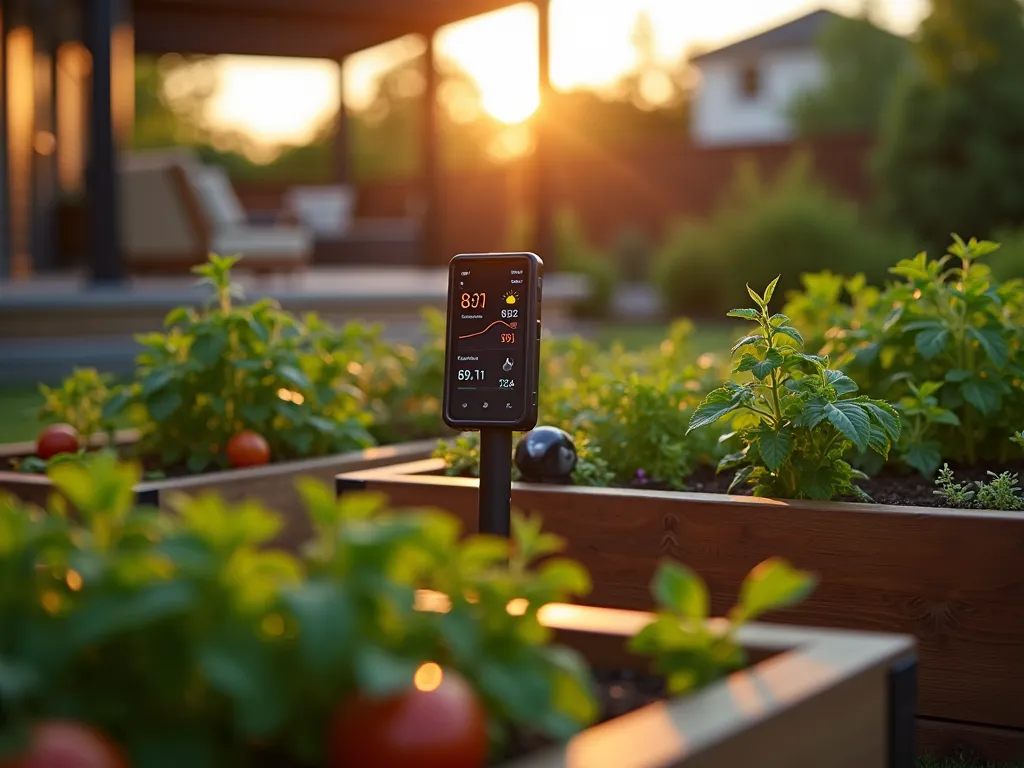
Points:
(19, 420)
(714, 337)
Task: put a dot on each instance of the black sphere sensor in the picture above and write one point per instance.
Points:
(546, 454)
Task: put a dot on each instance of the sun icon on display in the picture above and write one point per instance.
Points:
(511, 297)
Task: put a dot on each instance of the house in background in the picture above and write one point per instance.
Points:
(746, 87)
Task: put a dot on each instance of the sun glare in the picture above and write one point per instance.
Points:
(276, 100)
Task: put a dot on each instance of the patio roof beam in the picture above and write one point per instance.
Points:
(212, 32)
(411, 15)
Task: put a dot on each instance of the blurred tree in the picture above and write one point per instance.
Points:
(171, 94)
(862, 61)
(950, 157)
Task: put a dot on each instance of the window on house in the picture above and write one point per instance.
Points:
(750, 81)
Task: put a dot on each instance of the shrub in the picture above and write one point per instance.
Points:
(797, 418)
(761, 227)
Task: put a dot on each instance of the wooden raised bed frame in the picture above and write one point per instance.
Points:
(953, 579)
(273, 484)
(810, 698)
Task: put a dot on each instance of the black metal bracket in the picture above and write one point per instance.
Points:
(147, 498)
(902, 712)
(343, 485)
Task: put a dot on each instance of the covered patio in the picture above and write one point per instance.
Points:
(67, 104)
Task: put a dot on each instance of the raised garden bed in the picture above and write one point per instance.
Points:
(950, 578)
(810, 697)
(273, 484)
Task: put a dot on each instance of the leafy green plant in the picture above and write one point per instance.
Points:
(81, 401)
(692, 651)
(921, 414)
(796, 417)
(228, 368)
(945, 321)
(1002, 492)
(190, 641)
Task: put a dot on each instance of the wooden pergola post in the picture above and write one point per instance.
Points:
(544, 235)
(106, 262)
(341, 162)
(430, 146)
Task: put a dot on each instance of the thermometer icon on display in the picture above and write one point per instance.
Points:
(508, 365)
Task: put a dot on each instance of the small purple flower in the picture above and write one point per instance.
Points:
(641, 477)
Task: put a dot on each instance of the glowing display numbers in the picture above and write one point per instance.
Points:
(474, 300)
(508, 338)
(475, 375)
(506, 383)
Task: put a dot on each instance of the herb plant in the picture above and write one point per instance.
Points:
(797, 417)
(690, 650)
(1002, 492)
(231, 367)
(946, 320)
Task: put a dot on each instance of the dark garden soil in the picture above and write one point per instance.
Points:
(890, 487)
(894, 487)
(619, 692)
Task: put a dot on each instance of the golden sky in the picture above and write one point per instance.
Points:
(281, 100)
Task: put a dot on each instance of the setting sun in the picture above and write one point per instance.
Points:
(275, 100)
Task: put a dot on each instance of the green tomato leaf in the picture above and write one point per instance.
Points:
(294, 376)
(791, 332)
(678, 589)
(814, 412)
(162, 405)
(851, 420)
(110, 614)
(771, 585)
(773, 359)
(381, 673)
(984, 394)
(931, 342)
(573, 690)
(774, 447)
(925, 457)
(885, 416)
(155, 381)
(745, 314)
(841, 383)
(956, 375)
(770, 290)
(753, 294)
(565, 577)
(717, 404)
(755, 339)
(521, 684)
(239, 665)
(208, 346)
(741, 477)
(993, 342)
(326, 620)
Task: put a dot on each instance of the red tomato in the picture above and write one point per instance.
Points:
(56, 438)
(441, 728)
(248, 449)
(66, 744)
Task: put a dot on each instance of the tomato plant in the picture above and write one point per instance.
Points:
(190, 640)
(67, 744)
(248, 449)
(55, 439)
(81, 401)
(444, 725)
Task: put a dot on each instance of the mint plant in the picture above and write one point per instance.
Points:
(684, 646)
(797, 417)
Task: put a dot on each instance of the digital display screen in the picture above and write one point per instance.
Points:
(489, 320)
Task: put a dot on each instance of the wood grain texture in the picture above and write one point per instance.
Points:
(953, 580)
(273, 484)
(973, 744)
(819, 698)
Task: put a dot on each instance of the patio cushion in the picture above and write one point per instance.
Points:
(217, 196)
(327, 209)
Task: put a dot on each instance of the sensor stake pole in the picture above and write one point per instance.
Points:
(496, 481)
